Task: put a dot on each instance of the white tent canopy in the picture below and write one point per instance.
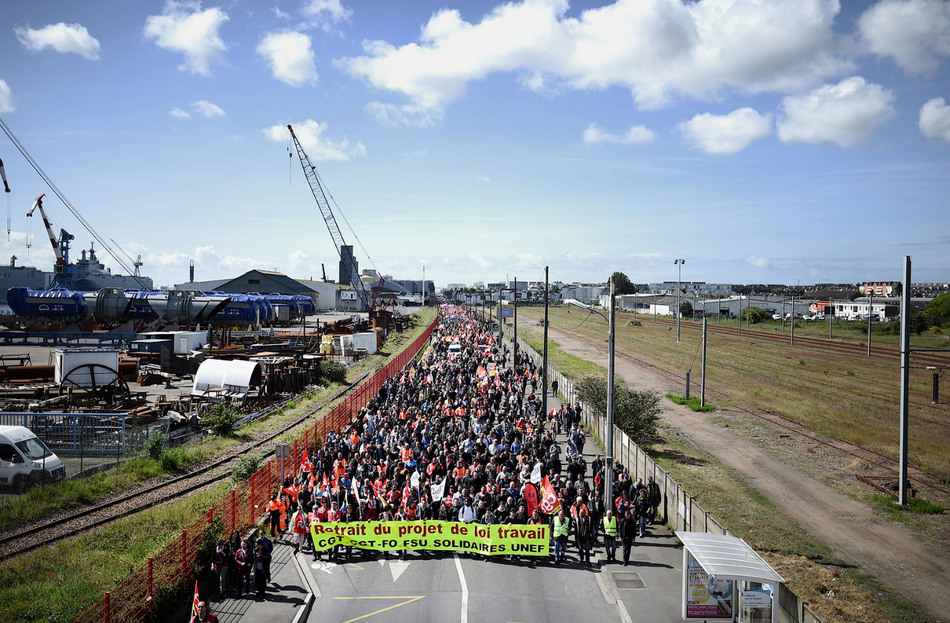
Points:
(728, 557)
(237, 377)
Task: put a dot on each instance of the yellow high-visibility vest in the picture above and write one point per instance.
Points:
(561, 526)
(610, 527)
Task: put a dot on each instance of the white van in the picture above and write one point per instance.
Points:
(24, 457)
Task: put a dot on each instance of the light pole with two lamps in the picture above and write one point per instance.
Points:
(609, 436)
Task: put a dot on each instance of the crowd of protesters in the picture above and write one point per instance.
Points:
(465, 417)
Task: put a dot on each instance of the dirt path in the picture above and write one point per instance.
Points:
(885, 549)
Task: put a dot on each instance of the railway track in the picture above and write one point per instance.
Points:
(78, 521)
(863, 453)
(881, 351)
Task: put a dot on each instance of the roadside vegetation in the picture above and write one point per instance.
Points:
(59, 584)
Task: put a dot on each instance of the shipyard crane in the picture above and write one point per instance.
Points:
(61, 276)
(56, 191)
(345, 251)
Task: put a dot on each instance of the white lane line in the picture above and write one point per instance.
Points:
(458, 565)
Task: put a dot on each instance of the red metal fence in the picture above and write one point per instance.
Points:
(133, 597)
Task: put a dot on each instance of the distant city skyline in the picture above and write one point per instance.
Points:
(789, 141)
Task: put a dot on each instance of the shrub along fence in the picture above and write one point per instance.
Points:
(681, 510)
(135, 597)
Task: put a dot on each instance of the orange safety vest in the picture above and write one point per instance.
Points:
(273, 505)
(283, 516)
(405, 453)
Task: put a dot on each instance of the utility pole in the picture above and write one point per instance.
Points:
(702, 391)
(515, 341)
(500, 342)
(544, 362)
(679, 278)
(870, 311)
(905, 379)
(609, 470)
(792, 330)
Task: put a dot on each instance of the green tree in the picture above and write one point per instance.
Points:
(622, 284)
(221, 418)
(686, 309)
(937, 313)
(755, 314)
(636, 413)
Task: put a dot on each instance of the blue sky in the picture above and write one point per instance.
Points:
(771, 141)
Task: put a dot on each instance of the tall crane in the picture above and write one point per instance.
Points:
(61, 276)
(345, 251)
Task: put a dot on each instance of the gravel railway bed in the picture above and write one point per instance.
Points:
(882, 351)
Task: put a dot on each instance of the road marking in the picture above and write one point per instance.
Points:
(397, 567)
(408, 600)
(458, 565)
(323, 566)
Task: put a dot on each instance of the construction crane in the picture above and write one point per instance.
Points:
(61, 276)
(137, 262)
(345, 251)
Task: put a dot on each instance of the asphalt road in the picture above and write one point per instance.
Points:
(459, 588)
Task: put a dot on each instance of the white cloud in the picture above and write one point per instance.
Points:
(484, 179)
(318, 147)
(178, 112)
(757, 260)
(726, 134)
(279, 14)
(915, 33)
(326, 13)
(935, 119)
(636, 134)
(290, 57)
(212, 262)
(6, 97)
(409, 115)
(658, 49)
(206, 108)
(62, 37)
(192, 32)
(479, 260)
(845, 113)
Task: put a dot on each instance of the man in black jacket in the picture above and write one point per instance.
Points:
(627, 531)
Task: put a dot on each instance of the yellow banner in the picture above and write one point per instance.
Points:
(493, 540)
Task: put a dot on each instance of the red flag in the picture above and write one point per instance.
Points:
(194, 604)
(531, 497)
(549, 502)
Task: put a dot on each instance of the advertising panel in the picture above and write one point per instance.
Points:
(706, 597)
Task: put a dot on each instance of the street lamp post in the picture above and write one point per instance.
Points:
(679, 276)
(609, 433)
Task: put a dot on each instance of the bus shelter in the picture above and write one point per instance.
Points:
(724, 579)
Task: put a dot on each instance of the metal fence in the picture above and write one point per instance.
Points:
(681, 510)
(133, 598)
(74, 433)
